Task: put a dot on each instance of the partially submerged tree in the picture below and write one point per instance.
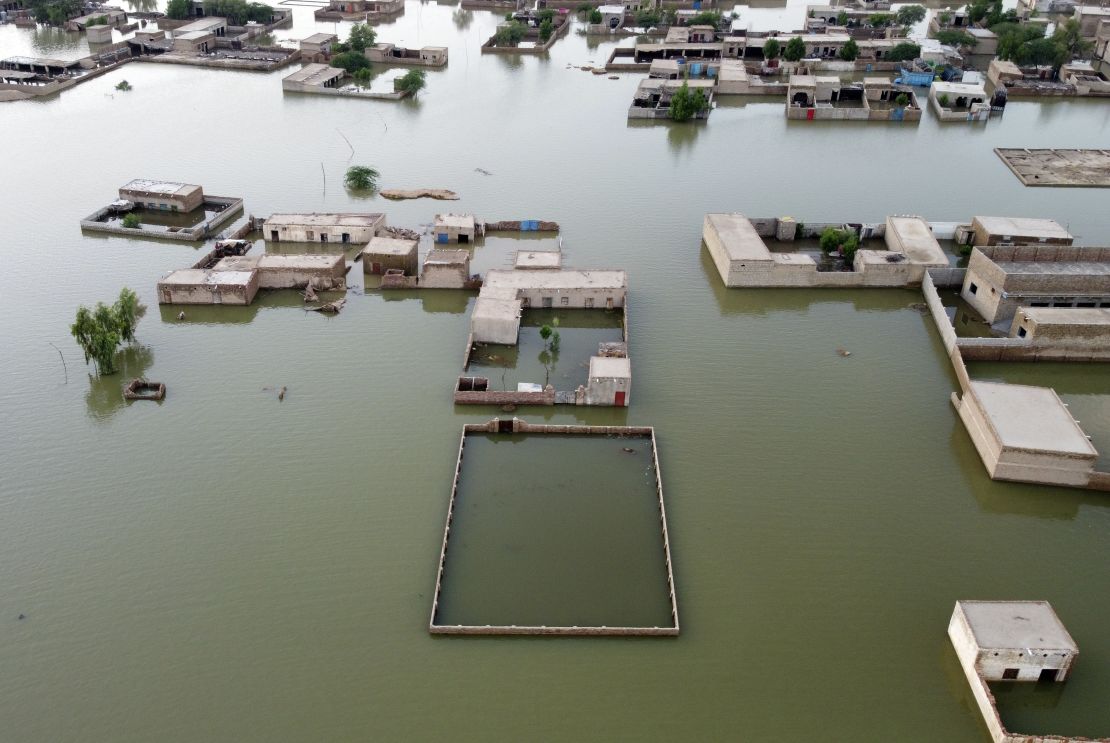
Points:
(100, 331)
(361, 178)
(795, 49)
(902, 100)
(546, 27)
(844, 243)
(647, 18)
(123, 85)
(595, 16)
(362, 77)
(362, 35)
(1070, 36)
(510, 34)
(411, 82)
(771, 49)
(239, 12)
(179, 10)
(131, 221)
(687, 103)
(706, 18)
(849, 51)
(54, 12)
(352, 62)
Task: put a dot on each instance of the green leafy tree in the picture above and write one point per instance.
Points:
(955, 37)
(1042, 52)
(795, 49)
(586, 8)
(880, 20)
(361, 37)
(131, 221)
(944, 18)
(902, 100)
(123, 85)
(687, 103)
(54, 12)
(771, 49)
(706, 18)
(179, 10)
(849, 51)
(411, 82)
(362, 77)
(239, 12)
(546, 27)
(547, 14)
(100, 331)
(842, 242)
(362, 178)
(352, 62)
(1069, 35)
(647, 18)
(842, 18)
(595, 16)
(904, 51)
(510, 34)
(908, 15)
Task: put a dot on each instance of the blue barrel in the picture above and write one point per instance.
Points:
(441, 237)
(695, 68)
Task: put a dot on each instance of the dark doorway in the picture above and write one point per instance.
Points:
(1048, 674)
(1010, 674)
(505, 426)
(464, 239)
(346, 237)
(274, 235)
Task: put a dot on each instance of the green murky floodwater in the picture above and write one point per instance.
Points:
(556, 531)
(224, 566)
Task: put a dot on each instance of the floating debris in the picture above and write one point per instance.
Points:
(919, 307)
(614, 77)
(310, 293)
(329, 307)
(483, 171)
(281, 394)
(141, 389)
(442, 194)
(843, 352)
(181, 315)
(628, 450)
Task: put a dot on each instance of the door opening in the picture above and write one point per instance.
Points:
(1048, 674)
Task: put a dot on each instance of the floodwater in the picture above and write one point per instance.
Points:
(535, 542)
(226, 566)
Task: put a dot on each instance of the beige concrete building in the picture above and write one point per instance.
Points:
(959, 101)
(1018, 231)
(454, 228)
(312, 77)
(743, 259)
(319, 43)
(609, 381)
(1026, 434)
(572, 288)
(201, 286)
(537, 260)
(1001, 279)
(208, 25)
(445, 269)
(1019, 641)
(345, 227)
(1064, 333)
(194, 42)
(384, 253)
(163, 195)
(391, 54)
(327, 272)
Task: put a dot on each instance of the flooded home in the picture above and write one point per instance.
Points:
(349, 227)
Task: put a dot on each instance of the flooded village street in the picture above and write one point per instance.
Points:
(226, 566)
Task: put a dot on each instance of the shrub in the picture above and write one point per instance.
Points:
(123, 85)
(842, 242)
(510, 34)
(546, 27)
(647, 18)
(943, 100)
(706, 18)
(849, 51)
(910, 14)
(771, 49)
(361, 178)
(902, 100)
(362, 77)
(842, 18)
(880, 20)
(131, 221)
(595, 16)
(954, 37)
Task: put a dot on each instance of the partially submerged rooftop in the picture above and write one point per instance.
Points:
(738, 237)
(1026, 227)
(914, 237)
(537, 259)
(1031, 418)
(1004, 625)
(150, 185)
(336, 219)
(557, 279)
(315, 74)
(389, 246)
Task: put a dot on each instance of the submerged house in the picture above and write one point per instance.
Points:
(359, 10)
(654, 95)
(959, 101)
(428, 56)
(313, 227)
(162, 195)
(826, 97)
(454, 228)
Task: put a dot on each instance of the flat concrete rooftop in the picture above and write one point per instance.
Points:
(337, 219)
(1095, 268)
(462, 221)
(315, 74)
(538, 259)
(277, 262)
(1032, 418)
(610, 367)
(148, 185)
(1023, 227)
(917, 240)
(201, 277)
(320, 38)
(389, 246)
(1067, 315)
(738, 237)
(557, 279)
(1016, 625)
(446, 257)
